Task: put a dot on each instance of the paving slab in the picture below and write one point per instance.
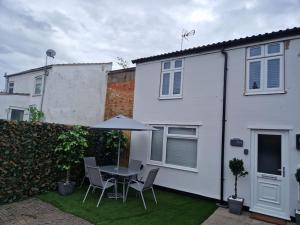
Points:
(36, 212)
(222, 217)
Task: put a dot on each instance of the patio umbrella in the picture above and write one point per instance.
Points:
(121, 123)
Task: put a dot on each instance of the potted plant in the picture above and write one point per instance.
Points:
(297, 214)
(234, 202)
(69, 151)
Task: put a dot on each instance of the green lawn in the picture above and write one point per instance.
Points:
(172, 208)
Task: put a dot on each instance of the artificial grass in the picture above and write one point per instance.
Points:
(172, 208)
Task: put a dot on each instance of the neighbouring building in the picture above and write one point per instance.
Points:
(66, 93)
(119, 98)
(238, 98)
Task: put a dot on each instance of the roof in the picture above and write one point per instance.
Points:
(131, 69)
(222, 45)
(50, 66)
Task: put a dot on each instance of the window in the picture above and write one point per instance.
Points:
(38, 85)
(175, 146)
(171, 79)
(17, 114)
(265, 69)
(11, 87)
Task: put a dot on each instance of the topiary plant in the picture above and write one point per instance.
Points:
(71, 148)
(297, 175)
(237, 168)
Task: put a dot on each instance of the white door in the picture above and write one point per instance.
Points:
(269, 167)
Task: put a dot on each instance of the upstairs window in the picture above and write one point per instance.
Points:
(38, 85)
(265, 69)
(11, 87)
(171, 79)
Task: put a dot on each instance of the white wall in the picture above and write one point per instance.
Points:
(202, 101)
(75, 94)
(202, 91)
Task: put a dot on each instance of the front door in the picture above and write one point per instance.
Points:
(270, 192)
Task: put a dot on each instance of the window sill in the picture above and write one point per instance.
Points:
(169, 97)
(265, 93)
(183, 168)
(36, 95)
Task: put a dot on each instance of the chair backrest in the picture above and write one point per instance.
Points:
(89, 161)
(150, 178)
(135, 164)
(95, 176)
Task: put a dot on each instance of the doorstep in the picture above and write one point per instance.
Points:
(222, 217)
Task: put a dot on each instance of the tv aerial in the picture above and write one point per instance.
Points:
(185, 34)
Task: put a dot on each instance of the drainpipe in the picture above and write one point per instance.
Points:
(44, 85)
(222, 202)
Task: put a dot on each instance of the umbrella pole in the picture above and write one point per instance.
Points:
(119, 151)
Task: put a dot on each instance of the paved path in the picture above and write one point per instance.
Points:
(222, 217)
(36, 212)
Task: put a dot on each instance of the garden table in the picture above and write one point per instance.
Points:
(120, 171)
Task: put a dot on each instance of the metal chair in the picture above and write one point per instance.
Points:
(135, 165)
(88, 161)
(140, 187)
(96, 181)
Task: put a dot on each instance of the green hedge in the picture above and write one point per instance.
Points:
(27, 159)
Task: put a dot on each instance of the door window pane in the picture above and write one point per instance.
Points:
(255, 51)
(273, 48)
(182, 131)
(177, 83)
(254, 75)
(269, 154)
(273, 68)
(166, 83)
(182, 152)
(157, 144)
(17, 114)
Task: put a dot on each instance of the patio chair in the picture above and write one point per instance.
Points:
(140, 187)
(135, 165)
(96, 181)
(88, 161)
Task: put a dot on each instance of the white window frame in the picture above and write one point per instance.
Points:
(35, 82)
(166, 135)
(9, 87)
(263, 59)
(171, 71)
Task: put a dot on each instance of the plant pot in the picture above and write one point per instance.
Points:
(297, 215)
(65, 188)
(235, 205)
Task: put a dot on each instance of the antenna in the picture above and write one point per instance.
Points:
(185, 34)
(50, 53)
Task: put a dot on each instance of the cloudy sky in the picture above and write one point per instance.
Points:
(101, 31)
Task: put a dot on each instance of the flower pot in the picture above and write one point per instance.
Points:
(65, 188)
(235, 205)
(297, 215)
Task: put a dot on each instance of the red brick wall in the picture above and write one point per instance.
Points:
(119, 98)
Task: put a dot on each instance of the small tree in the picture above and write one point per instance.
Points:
(111, 140)
(35, 115)
(122, 62)
(297, 175)
(71, 148)
(237, 168)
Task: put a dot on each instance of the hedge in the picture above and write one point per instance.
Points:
(27, 159)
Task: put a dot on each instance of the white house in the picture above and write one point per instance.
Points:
(66, 93)
(207, 101)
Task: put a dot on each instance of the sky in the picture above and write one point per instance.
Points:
(101, 31)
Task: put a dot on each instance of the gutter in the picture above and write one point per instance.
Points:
(225, 54)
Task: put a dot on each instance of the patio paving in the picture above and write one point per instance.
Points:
(35, 212)
(222, 217)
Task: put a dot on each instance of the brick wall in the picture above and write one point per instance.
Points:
(119, 98)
